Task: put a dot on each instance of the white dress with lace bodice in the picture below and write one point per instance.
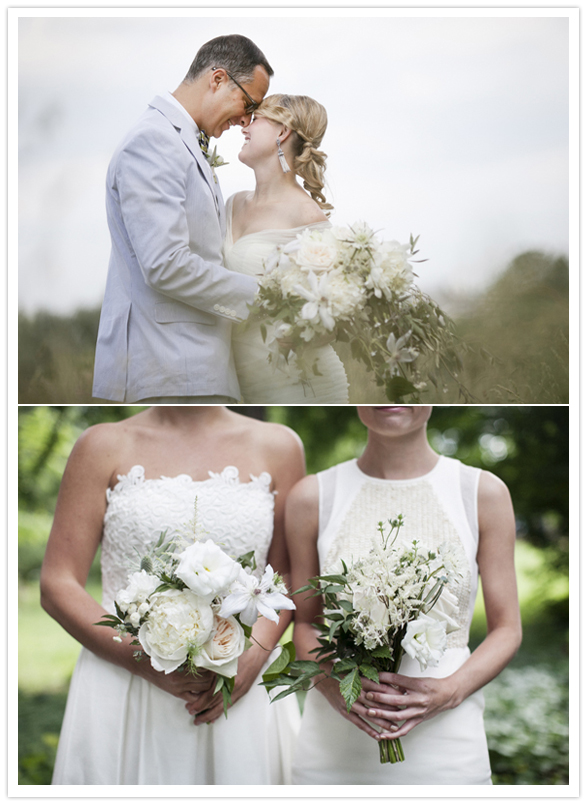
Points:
(259, 381)
(121, 730)
(440, 507)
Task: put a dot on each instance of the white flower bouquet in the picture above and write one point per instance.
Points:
(391, 602)
(191, 606)
(345, 284)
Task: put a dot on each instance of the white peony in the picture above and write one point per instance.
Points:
(140, 586)
(206, 569)
(425, 641)
(220, 654)
(250, 598)
(179, 623)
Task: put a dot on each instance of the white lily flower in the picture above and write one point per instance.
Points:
(399, 353)
(251, 598)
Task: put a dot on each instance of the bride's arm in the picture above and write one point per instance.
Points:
(73, 542)
(302, 516)
(287, 467)
(426, 697)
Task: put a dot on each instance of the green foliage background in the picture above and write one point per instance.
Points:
(527, 446)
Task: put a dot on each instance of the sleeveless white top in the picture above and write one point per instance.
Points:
(259, 381)
(121, 730)
(438, 507)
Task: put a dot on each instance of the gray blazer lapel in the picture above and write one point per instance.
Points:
(188, 135)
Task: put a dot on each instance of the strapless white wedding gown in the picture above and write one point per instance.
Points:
(451, 748)
(121, 730)
(259, 381)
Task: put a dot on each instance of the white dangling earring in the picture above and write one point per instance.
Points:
(281, 156)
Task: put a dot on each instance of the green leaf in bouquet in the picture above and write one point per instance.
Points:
(334, 578)
(350, 687)
(369, 672)
(346, 605)
(287, 656)
(226, 685)
(263, 329)
(381, 652)
(345, 665)
(248, 560)
(109, 620)
(398, 387)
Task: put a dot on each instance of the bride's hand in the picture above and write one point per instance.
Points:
(410, 700)
(359, 711)
(208, 707)
(182, 684)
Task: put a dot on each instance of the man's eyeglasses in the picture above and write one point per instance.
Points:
(250, 108)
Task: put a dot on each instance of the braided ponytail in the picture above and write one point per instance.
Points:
(307, 120)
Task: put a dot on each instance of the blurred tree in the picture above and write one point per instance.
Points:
(522, 320)
(526, 446)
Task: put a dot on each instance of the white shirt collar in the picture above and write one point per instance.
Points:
(176, 103)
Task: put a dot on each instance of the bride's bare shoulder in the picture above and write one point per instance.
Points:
(305, 213)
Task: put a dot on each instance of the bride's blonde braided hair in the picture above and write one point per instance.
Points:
(307, 120)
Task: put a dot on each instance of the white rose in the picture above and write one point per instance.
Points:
(206, 569)
(446, 609)
(425, 641)
(220, 654)
(179, 622)
(140, 586)
(316, 251)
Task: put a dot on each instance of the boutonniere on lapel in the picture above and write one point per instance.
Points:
(215, 161)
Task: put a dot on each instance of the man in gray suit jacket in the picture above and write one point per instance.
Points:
(169, 304)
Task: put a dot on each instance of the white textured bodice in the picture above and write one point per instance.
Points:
(437, 508)
(237, 516)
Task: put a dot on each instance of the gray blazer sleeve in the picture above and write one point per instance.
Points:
(160, 184)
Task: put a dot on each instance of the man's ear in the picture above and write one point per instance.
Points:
(217, 78)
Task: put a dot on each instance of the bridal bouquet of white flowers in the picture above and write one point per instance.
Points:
(345, 284)
(391, 602)
(191, 606)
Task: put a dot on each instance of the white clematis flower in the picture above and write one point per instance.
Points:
(250, 598)
(317, 307)
(399, 353)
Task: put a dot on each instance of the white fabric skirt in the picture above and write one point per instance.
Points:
(119, 729)
(449, 749)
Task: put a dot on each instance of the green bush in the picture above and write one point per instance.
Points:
(527, 725)
(40, 718)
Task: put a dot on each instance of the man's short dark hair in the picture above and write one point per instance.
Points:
(236, 54)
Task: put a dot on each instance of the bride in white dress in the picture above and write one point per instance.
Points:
(125, 483)
(438, 713)
(281, 143)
